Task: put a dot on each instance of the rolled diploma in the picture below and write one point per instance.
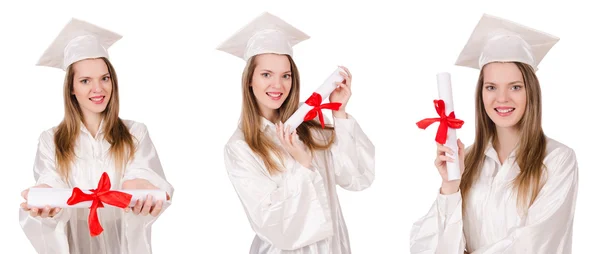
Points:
(56, 197)
(445, 94)
(324, 90)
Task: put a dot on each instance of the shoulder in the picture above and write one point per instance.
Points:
(137, 129)
(236, 141)
(47, 136)
(559, 157)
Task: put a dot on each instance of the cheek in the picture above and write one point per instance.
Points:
(488, 99)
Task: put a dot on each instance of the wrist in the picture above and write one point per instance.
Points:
(449, 187)
(341, 113)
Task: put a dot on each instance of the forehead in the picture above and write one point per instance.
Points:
(501, 73)
(273, 62)
(90, 68)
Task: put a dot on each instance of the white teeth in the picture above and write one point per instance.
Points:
(505, 110)
(97, 99)
(275, 94)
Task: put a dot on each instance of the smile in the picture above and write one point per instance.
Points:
(97, 99)
(275, 96)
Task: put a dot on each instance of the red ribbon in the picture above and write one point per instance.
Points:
(99, 196)
(315, 101)
(446, 122)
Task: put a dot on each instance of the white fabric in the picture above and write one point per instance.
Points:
(499, 40)
(492, 223)
(68, 232)
(297, 211)
(78, 40)
(265, 34)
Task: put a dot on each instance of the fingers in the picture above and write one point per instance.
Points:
(157, 208)
(441, 149)
(347, 71)
(45, 212)
(55, 211)
(138, 206)
(147, 206)
(25, 207)
(24, 193)
(34, 212)
(461, 147)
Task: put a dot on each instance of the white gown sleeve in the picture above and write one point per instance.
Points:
(47, 235)
(353, 155)
(549, 222)
(288, 216)
(145, 165)
(441, 230)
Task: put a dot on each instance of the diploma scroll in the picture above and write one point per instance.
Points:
(53, 197)
(445, 94)
(323, 91)
(446, 133)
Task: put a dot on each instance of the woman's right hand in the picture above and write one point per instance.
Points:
(449, 187)
(47, 212)
(294, 146)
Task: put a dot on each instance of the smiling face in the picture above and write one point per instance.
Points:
(271, 82)
(92, 85)
(504, 95)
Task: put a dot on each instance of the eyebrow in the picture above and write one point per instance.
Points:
(511, 83)
(86, 77)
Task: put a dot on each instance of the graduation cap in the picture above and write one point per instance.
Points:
(265, 34)
(78, 40)
(499, 40)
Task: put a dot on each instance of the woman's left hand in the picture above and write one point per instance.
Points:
(143, 207)
(342, 93)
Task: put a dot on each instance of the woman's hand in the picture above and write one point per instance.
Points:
(342, 93)
(143, 207)
(449, 187)
(46, 212)
(293, 145)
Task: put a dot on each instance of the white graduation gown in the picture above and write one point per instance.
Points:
(297, 211)
(492, 223)
(68, 231)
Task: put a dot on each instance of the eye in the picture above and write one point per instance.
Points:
(106, 78)
(490, 88)
(266, 74)
(517, 87)
(287, 76)
(84, 81)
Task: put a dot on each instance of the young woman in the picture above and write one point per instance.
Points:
(92, 140)
(518, 188)
(287, 182)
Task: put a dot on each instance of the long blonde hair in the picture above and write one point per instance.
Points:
(251, 120)
(115, 131)
(531, 147)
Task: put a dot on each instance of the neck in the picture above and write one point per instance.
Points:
(92, 122)
(507, 139)
(271, 115)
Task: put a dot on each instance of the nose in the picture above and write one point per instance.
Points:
(277, 83)
(502, 95)
(96, 87)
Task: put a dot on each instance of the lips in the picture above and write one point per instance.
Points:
(97, 99)
(275, 95)
(504, 110)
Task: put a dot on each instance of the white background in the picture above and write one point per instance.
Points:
(188, 94)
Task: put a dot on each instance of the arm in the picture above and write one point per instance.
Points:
(47, 235)
(288, 216)
(145, 165)
(353, 155)
(441, 230)
(548, 226)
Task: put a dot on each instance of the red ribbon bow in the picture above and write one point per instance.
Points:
(446, 122)
(99, 196)
(315, 101)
